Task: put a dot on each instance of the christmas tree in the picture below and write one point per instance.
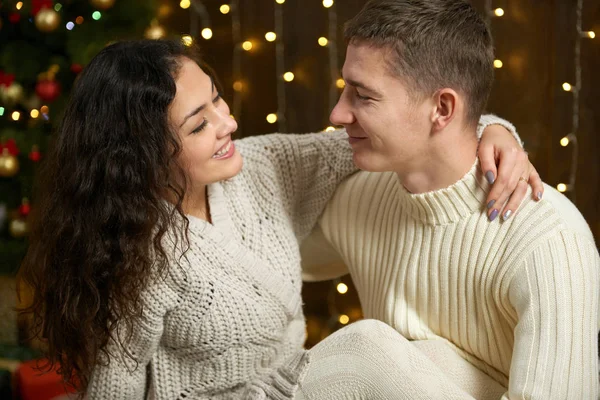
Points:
(44, 44)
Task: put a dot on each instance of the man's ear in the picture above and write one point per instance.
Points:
(446, 104)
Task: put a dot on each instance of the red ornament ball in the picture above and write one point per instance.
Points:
(37, 5)
(35, 155)
(76, 68)
(10, 146)
(47, 90)
(25, 209)
(14, 18)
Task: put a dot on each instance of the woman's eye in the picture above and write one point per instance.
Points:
(201, 126)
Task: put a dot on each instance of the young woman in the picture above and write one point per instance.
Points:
(165, 258)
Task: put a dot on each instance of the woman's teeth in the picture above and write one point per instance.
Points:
(223, 151)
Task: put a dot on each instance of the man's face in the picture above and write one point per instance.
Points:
(388, 129)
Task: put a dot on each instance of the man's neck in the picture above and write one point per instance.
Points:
(449, 156)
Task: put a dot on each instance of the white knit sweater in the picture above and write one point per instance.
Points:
(228, 320)
(518, 299)
(230, 311)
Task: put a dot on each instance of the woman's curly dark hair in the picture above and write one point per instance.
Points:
(97, 236)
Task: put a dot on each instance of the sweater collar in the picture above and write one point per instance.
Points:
(451, 204)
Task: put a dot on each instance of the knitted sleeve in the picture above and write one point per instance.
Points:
(555, 296)
(491, 119)
(298, 173)
(121, 377)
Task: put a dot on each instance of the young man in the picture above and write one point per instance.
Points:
(507, 309)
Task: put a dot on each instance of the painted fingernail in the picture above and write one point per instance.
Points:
(539, 195)
(490, 177)
(491, 204)
(506, 215)
(493, 215)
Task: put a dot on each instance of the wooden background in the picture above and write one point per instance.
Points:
(535, 39)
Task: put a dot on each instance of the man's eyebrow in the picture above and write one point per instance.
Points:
(202, 107)
(361, 85)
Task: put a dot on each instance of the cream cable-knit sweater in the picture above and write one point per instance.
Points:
(518, 298)
(231, 311)
(227, 321)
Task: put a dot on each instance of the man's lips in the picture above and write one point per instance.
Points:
(356, 139)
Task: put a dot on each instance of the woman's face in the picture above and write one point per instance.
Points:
(201, 119)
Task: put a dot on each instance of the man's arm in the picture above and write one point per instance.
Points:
(555, 295)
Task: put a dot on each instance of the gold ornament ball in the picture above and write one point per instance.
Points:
(9, 165)
(47, 20)
(11, 95)
(155, 32)
(18, 228)
(103, 4)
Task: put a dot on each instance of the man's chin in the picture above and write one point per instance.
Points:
(362, 162)
(369, 162)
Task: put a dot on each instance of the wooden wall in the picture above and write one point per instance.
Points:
(535, 40)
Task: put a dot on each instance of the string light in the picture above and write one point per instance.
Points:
(329, 129)
(340, 83)
(571, 139)
(96, 15)
(70, 25)
(187, 40)
(288, 76)
(19, 5)
(79, 20)
(272, 118)
(185, 4)
(1, 111)
(225, 9)
(279, 68)
(270, 36)
(34, 113)
(247, 45)
(16, 115)
(344, 319)
(199, 12)
(588, 34)
(323, 41)
(279, 1)
(207, 33)
(236, 34)
(489, 13)
(44, 110)
(342, 288)
(334, 68)
(57, 7)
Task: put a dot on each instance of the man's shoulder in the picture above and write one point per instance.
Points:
(548, 222)
(561, 208)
